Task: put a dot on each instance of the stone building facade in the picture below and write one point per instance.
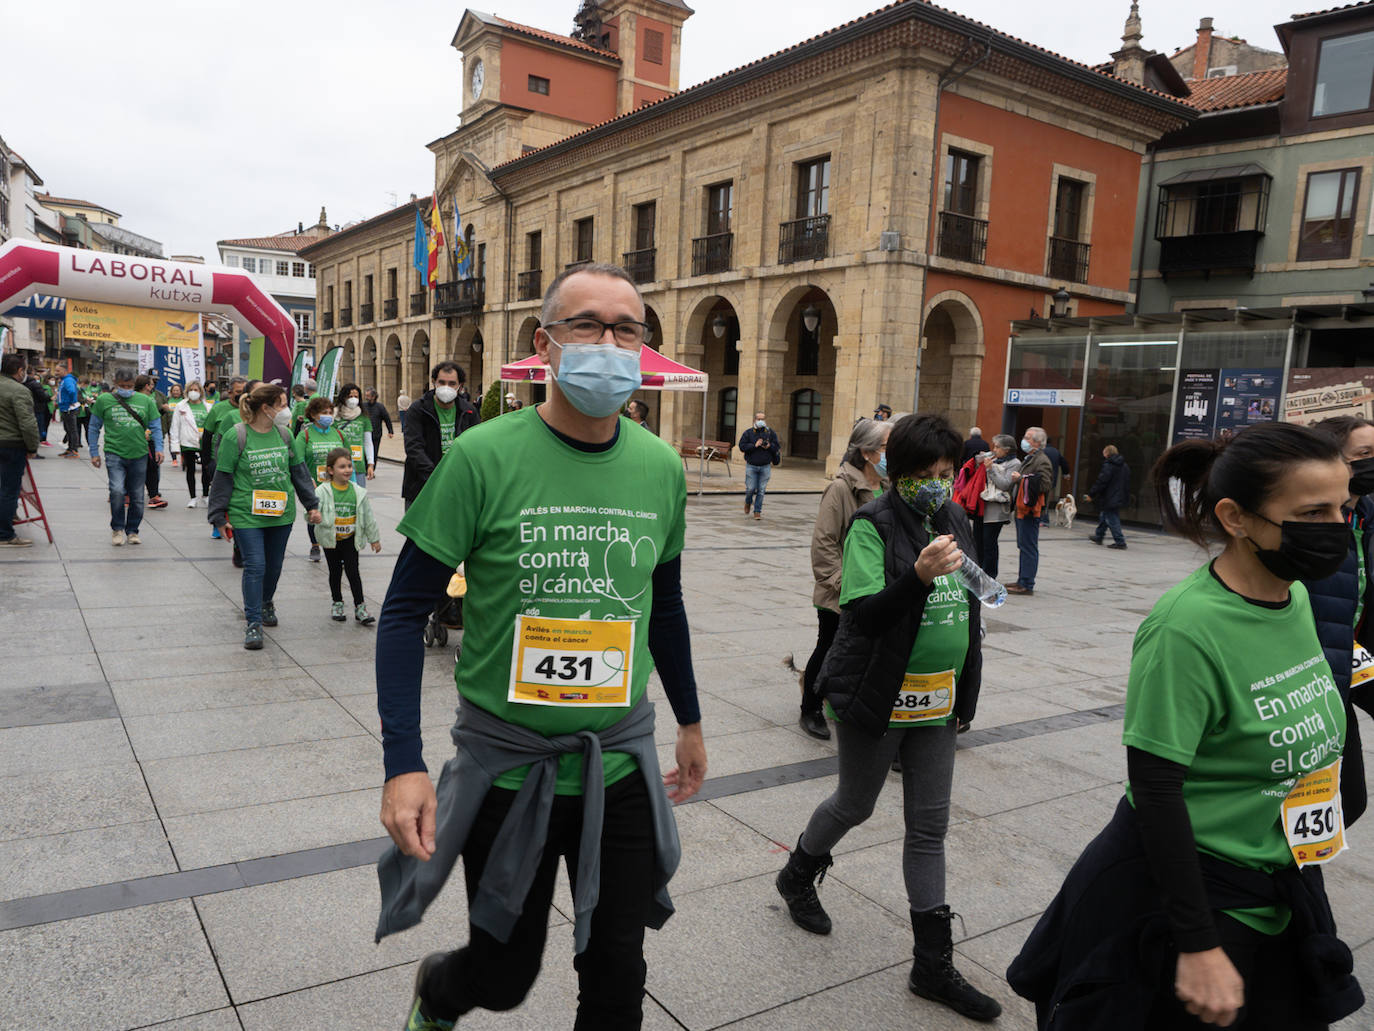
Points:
(786, 221)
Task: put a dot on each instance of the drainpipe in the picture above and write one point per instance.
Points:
(945, 81)
(1144, 228)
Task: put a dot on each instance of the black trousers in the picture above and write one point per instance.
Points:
(154, 474)
(343, 558)
(207, 472)
(610, 972)
(71, 423)
(827, 623)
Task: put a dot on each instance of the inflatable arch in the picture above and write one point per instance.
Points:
(28, 267)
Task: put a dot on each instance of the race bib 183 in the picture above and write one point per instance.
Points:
(571, 662)
(269, 502)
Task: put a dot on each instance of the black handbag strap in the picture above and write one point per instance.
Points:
(125, 405)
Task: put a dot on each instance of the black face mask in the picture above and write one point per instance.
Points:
(1306, 551)
(1362, 477)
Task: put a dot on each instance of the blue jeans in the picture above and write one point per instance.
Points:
(263, 548)
(1109, 519)
(756, 479)
(126, 476)
(11, 476)
(1028, 541)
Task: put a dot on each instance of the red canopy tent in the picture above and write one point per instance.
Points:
(658, 371)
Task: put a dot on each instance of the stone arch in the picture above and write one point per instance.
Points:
(418, 364)
(391, 381)
(719, 357)
(524, 347)
(468, 349)
(367, 365)
(952, 349)
(797, 359)
(348, 363)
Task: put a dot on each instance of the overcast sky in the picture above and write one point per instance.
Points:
(202, 120)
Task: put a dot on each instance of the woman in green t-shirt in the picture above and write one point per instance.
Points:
(356, 429)
(318, 437)
(257, 471)
(1188, 907)
(905, 665)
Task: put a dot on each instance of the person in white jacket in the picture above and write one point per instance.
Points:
(188, 419)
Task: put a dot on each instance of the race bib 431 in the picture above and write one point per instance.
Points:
(571, 662)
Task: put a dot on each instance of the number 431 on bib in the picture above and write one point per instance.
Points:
(571, 662)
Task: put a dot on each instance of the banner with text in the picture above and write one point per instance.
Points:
(87, 320)
(1218, 403)
(180, 365)
(1317, 394)
(327, 373)
(301, 366)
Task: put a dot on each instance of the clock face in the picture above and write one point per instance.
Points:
(479, 79)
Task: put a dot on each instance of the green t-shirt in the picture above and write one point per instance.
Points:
(345, 508)
(941, 643)
(262, 477)
(123, 434)
(1241, 694)
(315, 445)
(448, 417)
(222, 415)
(354, 431)
(547, 530)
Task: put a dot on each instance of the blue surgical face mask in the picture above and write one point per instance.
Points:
(597, 379)
(1025, 445)
(326, 421)
(880, 466)
(122, 392)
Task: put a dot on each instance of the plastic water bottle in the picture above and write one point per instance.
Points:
(989, 591)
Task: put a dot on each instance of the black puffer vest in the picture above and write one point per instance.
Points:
(861, 675)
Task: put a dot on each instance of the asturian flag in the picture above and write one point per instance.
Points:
(461, 254)
(436, 241)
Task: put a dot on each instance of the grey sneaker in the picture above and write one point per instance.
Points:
(117, 538)
(363, 616)
(269, 614)
(336, 612)
(252, 637)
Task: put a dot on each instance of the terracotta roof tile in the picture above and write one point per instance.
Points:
(1232, 91)
(284, 242)
(553, 37)
(48, 198)
(830, 32)
(1333, 10)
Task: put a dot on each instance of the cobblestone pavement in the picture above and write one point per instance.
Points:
(187, 829)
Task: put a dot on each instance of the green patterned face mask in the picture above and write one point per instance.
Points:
(926, 496)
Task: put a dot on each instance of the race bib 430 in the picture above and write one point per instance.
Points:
(1312, 818)
(571, 662)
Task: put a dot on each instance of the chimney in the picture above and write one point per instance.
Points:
(300, 228)
(1202, 52)
(1128, 63)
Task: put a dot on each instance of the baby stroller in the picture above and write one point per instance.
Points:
(448, 614)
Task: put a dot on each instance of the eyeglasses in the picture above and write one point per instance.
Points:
(585, 330)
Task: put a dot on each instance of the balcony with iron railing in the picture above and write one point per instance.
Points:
(963, 237)
(1068, 260)
(529, 285)
(390, 309)
(804, 239)
(365, 313)
(712, 254)
(327, 320)
(345, 317)
(459, 297)
(1209, 254)
(640, 264)
(419, 303)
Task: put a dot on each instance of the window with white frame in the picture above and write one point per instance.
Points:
(283, 268)
(232, 260)
(298, 269)
(303, 321)
(250, 264)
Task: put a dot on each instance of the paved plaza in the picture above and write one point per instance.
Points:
(188, 829)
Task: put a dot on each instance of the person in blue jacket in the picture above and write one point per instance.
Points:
(1340, 602)
(69, 405)
(759, 445)
(1109, 493)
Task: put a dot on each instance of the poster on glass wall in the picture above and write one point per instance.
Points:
(1317, 394)
(1195, 415)
(1247, 397)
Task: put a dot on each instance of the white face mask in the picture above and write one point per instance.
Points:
(760, 423)
(446, 394)
(282, 417)
(193, 395)
(352, 402)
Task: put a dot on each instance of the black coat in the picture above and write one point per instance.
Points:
(377, 415)
(1113, 486)
(861, 675)
(975, 446)
(40, 402)
(754, 455)
(424, 446)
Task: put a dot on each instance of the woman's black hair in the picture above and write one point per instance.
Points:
(1339, 427)
(917, 442)
(345, 390)
(1191, 477)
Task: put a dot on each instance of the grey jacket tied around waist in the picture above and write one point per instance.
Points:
(487, 747)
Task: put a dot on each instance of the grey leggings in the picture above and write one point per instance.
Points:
(927, 755)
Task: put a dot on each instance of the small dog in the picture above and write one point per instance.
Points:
(1065, 512)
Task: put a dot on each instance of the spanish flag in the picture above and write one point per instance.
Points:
(436, 241)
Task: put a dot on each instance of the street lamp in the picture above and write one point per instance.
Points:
(718, 326)
(811, 318)
(1061, 302)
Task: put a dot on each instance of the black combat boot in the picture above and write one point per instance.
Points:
(797, 885)
(933, 975)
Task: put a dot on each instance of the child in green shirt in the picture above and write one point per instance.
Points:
(346, 523)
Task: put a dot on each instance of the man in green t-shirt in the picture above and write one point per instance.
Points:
(223, 414)
(130, 421)
(571, 523)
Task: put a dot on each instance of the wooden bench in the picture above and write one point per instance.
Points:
(711, 450)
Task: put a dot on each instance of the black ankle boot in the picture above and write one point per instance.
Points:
(795, 885)
(933, 975)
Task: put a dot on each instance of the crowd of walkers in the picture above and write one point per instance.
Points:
(1201, 901)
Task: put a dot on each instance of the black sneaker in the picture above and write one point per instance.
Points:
(269, 614)
(252, 637)
(1117, 547)
(418, 1019)
(814, 724)
(314, 553)
(1096, 540)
